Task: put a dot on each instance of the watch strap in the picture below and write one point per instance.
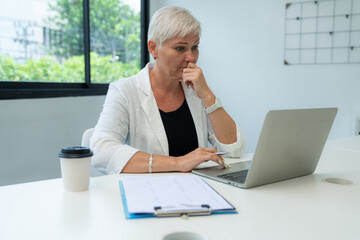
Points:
(213, 107)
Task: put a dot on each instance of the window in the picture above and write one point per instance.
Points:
(53, 48)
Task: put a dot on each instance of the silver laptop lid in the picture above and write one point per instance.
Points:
(290, 144)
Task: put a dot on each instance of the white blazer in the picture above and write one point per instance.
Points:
(130, 122)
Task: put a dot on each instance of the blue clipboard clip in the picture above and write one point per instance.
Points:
(192, 210)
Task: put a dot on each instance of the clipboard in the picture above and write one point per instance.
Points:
(178, 210)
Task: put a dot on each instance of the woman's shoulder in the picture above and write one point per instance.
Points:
(130, 87)
(124, 82)
(132, 81)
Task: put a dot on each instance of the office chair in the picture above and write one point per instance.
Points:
(86, 143)
(86, 137)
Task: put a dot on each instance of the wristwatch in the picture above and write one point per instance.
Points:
(215, 106)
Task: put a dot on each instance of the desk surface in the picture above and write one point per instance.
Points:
(351, 144)
(302, 208)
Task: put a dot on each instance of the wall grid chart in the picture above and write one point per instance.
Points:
(322, 32)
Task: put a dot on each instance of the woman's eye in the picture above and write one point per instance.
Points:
(195, 48)
(180, 48)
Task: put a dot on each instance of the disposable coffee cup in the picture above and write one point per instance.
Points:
(75, 165)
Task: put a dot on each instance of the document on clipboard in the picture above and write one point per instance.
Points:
(174, 195)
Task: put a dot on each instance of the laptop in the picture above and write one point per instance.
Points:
(290, 146)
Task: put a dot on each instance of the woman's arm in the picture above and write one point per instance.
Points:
(223, 125)
(108, 140)
(139, 163)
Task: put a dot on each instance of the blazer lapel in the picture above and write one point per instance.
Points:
(196, 109)
(148, 104)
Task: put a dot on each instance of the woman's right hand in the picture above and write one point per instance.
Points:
(191, 160)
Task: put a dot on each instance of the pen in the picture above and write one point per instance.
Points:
(221, 153)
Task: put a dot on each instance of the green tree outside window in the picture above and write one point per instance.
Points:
(114, 38)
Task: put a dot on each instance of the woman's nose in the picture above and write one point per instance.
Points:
(189, 57)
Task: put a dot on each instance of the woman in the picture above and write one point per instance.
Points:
(161, 119)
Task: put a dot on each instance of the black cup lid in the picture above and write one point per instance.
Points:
(75, 152)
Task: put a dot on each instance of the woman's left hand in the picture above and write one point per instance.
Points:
(194, 77)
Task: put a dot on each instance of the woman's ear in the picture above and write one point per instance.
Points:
(152, 48)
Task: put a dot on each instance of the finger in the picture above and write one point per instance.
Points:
(189, 84)
(191, 65)
(214, 157)
(212, 150)
(187, 75)
(224, 164)
(220, 161)
(190, 74)
(191, 70)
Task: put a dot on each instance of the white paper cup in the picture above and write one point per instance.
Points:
(75, 165)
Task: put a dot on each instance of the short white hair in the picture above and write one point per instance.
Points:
(169, 22)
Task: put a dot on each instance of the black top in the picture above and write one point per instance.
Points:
(180, 130)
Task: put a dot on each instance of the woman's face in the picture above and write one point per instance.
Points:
(175, 54)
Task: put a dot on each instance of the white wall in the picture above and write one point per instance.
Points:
(241, 54)
(32, 132)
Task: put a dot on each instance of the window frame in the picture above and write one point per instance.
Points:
(22, 90)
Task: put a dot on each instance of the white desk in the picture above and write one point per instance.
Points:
(302, 208)
(348, 146)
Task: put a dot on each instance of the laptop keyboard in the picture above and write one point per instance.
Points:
(239, 176)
